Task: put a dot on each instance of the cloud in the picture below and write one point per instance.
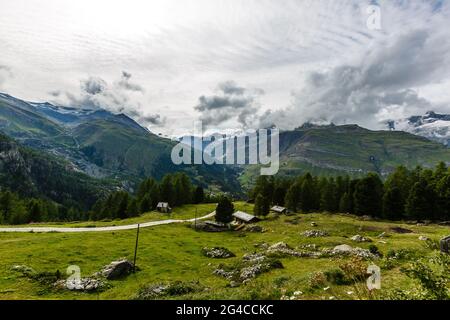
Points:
(230, 102)
(5, 73)
(155, 120)
(383, 84)
(126, 84)
(97, 93)
(93, 85)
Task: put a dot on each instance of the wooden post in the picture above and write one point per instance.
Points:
(135, 248)
(195, 220)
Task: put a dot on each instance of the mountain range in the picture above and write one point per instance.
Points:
(432, 125)
(99, 145)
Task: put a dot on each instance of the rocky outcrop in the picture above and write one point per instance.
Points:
(117, 269)
(85, 284)
(218, 253)
(315, 234)
(359, 238)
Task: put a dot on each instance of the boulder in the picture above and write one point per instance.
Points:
(84, 284)
(217, 253)
(117, 269)
(346, 250)
(343, 248)
(315, 234)
(423, 238)
(359, 238)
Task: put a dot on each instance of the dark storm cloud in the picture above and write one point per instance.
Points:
(366, 93)
(230, 102)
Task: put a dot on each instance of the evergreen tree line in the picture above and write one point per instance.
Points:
(418, 194)
(18, 210)
(175, 189)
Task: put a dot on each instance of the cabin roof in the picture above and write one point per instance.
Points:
(244, 216)
(278, 209)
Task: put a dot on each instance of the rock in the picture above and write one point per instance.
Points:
(309, 247)
(423, 238)
(85, 284)
(346, 250)
(262, 245)
(208, 227)
(343, 248)
(253, 271)
(25, 270)
(279, 246)
(359, 238)
(226, 274)
(117, 269)
(254, 257)
(313, 224)
(282, 249)
(254, 228)
(315, 234)
(218, 253)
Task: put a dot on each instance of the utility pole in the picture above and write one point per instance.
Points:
(135, 248)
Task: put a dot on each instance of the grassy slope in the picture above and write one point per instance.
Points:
(172, 252)
(350, 150)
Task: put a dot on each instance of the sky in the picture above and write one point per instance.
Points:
(234, 64)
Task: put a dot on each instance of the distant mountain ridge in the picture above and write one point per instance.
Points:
(432, 125)
(100, 143)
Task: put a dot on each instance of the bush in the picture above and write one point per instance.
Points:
(317, 280)
(336, 276)
(224, 210)
(355, 270)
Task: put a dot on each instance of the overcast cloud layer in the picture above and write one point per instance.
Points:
(233, 63)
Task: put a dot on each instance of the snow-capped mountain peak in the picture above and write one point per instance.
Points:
(432, 125)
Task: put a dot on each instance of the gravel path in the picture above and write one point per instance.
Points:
(101, 229)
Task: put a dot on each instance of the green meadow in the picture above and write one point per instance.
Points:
(173, 252)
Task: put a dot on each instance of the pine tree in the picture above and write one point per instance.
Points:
(292, 200)
(443, 193)
(145, 204)
(224, 210)
(419, 204)
(368, 196)
(345, 203)
(199, 195)
(262, 207)
(393, 204)
(132, 209)
(328, 201)
(307, 197)
(35, 210)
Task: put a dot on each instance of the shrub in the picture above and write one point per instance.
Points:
(336, 276)
(317, 280)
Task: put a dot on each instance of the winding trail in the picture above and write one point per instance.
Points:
(102, 229)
